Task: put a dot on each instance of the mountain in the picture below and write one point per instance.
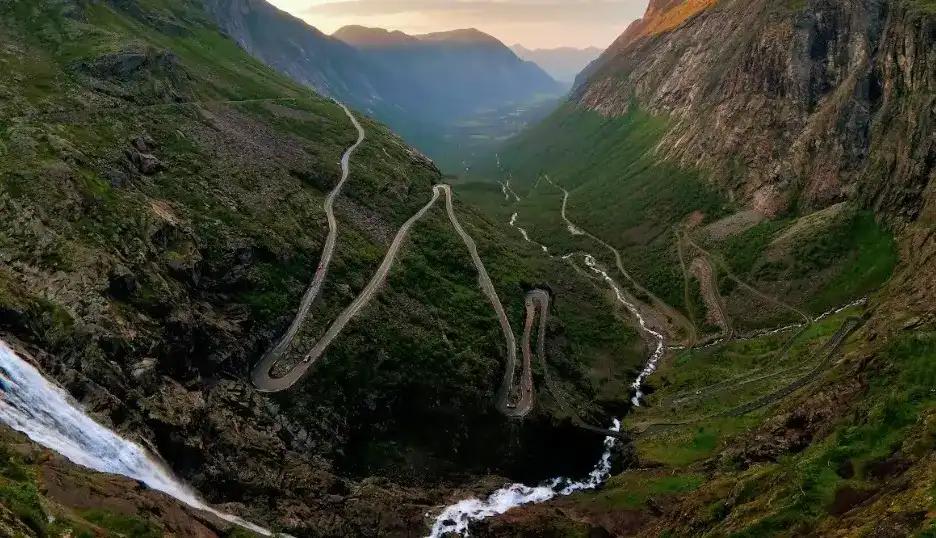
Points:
(164, 195)
(466, 36)
(563, 63)
(421, 86)
(661, 16)
(366, 37)
(363, 37)
(300, 51)
(451, 75)
(766, 169)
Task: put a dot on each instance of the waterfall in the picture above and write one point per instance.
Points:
(30, 404)
(455, 518)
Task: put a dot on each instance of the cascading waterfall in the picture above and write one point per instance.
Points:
(45, 413)
(658, 336)
(526, 236)
(839, 310)
(456, 517)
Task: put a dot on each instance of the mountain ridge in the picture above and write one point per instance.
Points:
(422, 89)
(370, 36)
(359, 36)
(464, 36)
(563, 63)
(660, 16)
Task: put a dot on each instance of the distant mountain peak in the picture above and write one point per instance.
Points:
(465, 36)
(518, 48)
(364, 36)
(562, 63)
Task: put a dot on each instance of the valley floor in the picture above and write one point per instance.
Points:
(763, 319)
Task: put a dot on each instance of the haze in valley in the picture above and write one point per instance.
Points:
(531, 23)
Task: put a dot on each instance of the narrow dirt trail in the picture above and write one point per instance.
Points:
(538, 301)
(693, 338)
(829, 351)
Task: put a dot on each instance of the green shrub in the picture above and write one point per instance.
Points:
(129, 526)
(23, 499)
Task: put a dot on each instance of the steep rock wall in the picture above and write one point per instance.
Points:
(789, 105)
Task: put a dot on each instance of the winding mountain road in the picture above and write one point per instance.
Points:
(514, 399)
(730, 274)
(702, 270)
(538, 300)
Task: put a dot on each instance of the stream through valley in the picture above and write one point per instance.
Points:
(457, 517)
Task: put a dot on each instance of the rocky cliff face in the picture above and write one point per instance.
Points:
(787, 107)
(793, 105)
(661, 15)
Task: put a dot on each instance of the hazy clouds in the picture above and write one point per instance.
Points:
(534, 23)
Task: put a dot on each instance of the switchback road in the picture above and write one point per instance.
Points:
(514, 398)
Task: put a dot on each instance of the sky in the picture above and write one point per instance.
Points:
(531, 23)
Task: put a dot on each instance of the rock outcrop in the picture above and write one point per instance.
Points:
(799, 104)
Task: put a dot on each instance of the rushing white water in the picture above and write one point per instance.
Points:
(456, 517)
(658, 336)
(510, 190)
(839, 310)
(45, 413)
(770, 332)
(526, 236)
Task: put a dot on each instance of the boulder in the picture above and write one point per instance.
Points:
(144, 371)
(149, 165)
(143, 144)
(116, 177)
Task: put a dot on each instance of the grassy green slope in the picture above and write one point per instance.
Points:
(201, 264)
(619, 190)
(847, 478)
(607, 165)
(816, 268)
